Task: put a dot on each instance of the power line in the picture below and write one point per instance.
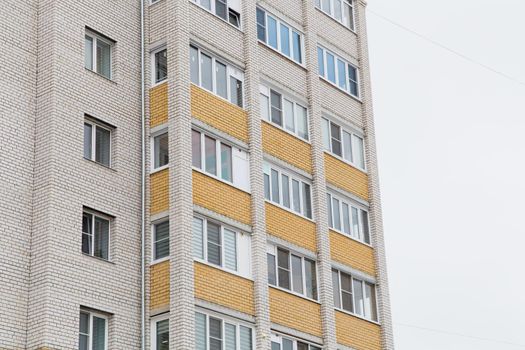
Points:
(446, 48)
(460, 335)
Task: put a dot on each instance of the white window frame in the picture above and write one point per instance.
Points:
(213, 11)
(94, 126)
(278, 338)
(354, 135)
(218, 143)
(231, 72)
(154, 66)
(153, 242)
(153, 135)
(90, 335)
(351, 204)
(291, 177)
(330, 13)
(336, 72)
(363, 283)
(292, 29)
(273, 250)
(266, 91)
(153, 328)
(226, 320)
(94, 214)
(95, 37)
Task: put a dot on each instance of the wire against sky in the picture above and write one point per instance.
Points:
(444, 47)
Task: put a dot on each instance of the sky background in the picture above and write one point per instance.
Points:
(451, 142)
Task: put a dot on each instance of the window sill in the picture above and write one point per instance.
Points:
(220, 18)
(96, 258)
(159, 169)
(286, 131)
(101, 76)
(100, 165)
(351, 30)
(350, 237)
(357, 316)
(159, 261)
(301, 65)
(220, 180)
(344, 161)
(358, 99)
(158, 83)
(235, 273)
(294, 293)
(288, 210)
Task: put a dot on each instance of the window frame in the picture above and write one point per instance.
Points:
(348, 81)
(278, 338)
(95, 37)
(374, 309)
(153, 328)
(95, 214)
(91, 314)
(342, 129)
(154, 224)
(94, 125)
(153, 136)
(231, 72)
(351, 204)
(213, 11)
(224, 321)
(218, 159)
(291, 30)
(153, 53)
(330, 13)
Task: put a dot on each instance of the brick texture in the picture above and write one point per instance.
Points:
(160, 285)
(158, 110)
(159, 185)
(346, 177)
(357, 333)
(352, 253)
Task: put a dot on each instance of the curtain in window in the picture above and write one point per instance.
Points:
(230, 337)
(230, 249)
(198, 239)
(99, 333)
(162, 242)
(245, 338)
(215, 334)
(200, 332)
(214, 243)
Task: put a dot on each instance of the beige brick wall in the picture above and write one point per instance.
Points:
(158, 109)
(354, 254)
(159, 191)
(286, 147)
(357, 333)
(346, 177)
(159, 285)
(290, 227)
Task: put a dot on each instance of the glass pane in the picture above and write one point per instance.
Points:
(347, 16)
(88, 141)
(245, 338)
(220, 76)
(276, 108)
(311, 278)
(101, 238)
(87, 244)
(285, 40)
(210, 155)
(284, 269)
(366, 228)
(272, 278)
(161, 65)
(335, 131)
(358, 297)
(359, 152)
(354, 89)
(276, 346)
(102, 146)
(355, 223)
(230, 249)
(325, 124)
(267, 186)
(302, 346)
(337, 10)
(307, 201)
(196, 149)
(198, 238)
(326, 6)
(341, 74)
(84, 323)
(162, 243)
(275, 186)
(346, 219)
(346, 292)
(261, 25)
(163, 335)
(201, 335)
(370, 302)
(214, 243)
(330, 213)
(161, 150)
(99, 333)
(220, 9)
(347, 146)
(206, 4)
(88, 52)
(83, 342)
(330, 67)
(289, 121)
(206, 72)
(104, 58)
(297, 54)
(236, 92)
(194, 65)
(296, 196)
(215, 334)
(337, 214)
(287, 344)
(297, 274)
(335, 287)
(286, 190)
(302, 122)
(87, 223)
(235, 18)
(230, 337)
(320, 61)
(226, 162)
(272, 32)
(265, 109)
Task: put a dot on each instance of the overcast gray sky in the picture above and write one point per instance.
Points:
(451, 141)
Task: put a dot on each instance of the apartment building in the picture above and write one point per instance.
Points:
(189, 174)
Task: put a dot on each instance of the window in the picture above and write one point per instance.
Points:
(292, 272)
(95, 235)
(279, 36)
(216, 76)
(98, 54)
(97, 142)
(215, 333)
(226, 9)
(338, 72)
(340, 10)
(354, 295)
(344, 143)
(93, 331)
(161, 240)
(160, 151)
(160, 65)
(287, 191)
(221, 246)
(280, 342)
(284, 112)
(160, 333)
(220, 160)
(348, 218)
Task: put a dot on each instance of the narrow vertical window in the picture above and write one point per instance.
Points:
(310, 278)
(272, 32)
(297, 49)
(221, 9)
(289, 120)
(194, 65)
(210, 155)
(264, 104)
(88, 141)
(101, 242)
(84, 331)
(341, 74)
(236, 92)
(88, 52)
(336, 214)
(104, 58)
(285, 40)
(286, 190)
(272, 276)
(261, 25)
(275, 186)
(359, 152)
(226, 162)
(87, 233)
(335, 132)
(283, 264)
(358, 297)
(366, 228)
(352, 75)
(102, 145)
(99, 333)
(330, 67)
(198, 238)
(221, 80)
(325, 125)
(356, 232)
(196, 151)
(276, 103)
(347, 147)
(370, 302)
(206, 72)
(201, 334)
(337, 289)
(346, 292)
(161, 66)
(215, 334)
(214, 244)
(330, 210)
(346, 219)
(320, 61)
(93, 329)
(307, 201)
(230, 249)
(302, 122)
(230, 337)
(296, 196)
(245, 338)
(163, 335)
(161, 240)
(297, 274)
(161, 154)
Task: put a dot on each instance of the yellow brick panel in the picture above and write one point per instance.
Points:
(221, 198)
(357, 333)
(286, 147)
(160, 285)
(349, 252)
(159, 183)
(223, 288)
(295, 312)
(345, 176)
(219, 113)
(290, 227)
(158, 105)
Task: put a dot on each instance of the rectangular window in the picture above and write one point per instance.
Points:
(279, 36)
(160, 65)
(161, 240)
(98, 53)
(160, 333)
(222, 9)
(348, 218)
(340, 10)
(93, 331)
(95, 235)
(217, 333)
(343, 143)
(281, 342)
(97, 142)
(336, 73)
(299, 196)
(292, 272)
(354, 295)
(284, 112)
(216, 76)
(160, 151)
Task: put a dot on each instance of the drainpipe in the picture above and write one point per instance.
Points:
(143, 185)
